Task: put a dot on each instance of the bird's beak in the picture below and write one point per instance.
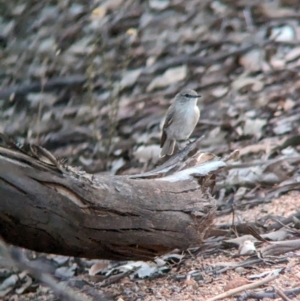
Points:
(196, 96)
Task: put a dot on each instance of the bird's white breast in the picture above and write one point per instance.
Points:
(189, 116)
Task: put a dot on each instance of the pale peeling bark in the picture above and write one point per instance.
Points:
(48, 207)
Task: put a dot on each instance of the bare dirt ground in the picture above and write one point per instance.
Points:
(91, 81)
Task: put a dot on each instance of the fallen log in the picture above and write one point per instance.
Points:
(49, 207)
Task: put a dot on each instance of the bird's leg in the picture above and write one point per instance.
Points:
(182, 143)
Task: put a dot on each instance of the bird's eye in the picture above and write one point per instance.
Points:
(186, 95)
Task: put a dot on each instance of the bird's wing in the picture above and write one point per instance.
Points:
(168, 121)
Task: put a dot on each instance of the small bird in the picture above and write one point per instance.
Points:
(182, 117)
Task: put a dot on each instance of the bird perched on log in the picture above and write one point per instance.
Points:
(182, 117)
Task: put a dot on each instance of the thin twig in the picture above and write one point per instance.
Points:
(267, 295)
(54, 83)
(282, 294)
(248, 18)
(294, 159)
(253, 285)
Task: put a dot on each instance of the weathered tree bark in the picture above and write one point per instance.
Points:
(48, 207)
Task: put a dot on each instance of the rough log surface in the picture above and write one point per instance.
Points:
(51, 208)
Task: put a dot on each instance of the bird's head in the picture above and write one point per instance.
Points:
(186, 96)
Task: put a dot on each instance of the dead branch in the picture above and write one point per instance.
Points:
(48, 207)
(54, 83)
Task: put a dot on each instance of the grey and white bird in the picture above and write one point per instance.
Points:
(181, 119)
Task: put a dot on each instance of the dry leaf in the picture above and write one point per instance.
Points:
(254, 127)
(283, 33)
(277, 235)
(252, 60)
(147, 153)
(171, 76)
(130, 77)
(98, 267)
(293, 54)
(247, 248)
(236, 282)
(219, 91)
(242, 82)
(159, 4)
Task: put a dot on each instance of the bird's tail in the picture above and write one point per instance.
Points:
(168, 148)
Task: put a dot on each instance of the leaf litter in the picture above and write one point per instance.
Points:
(91, 83)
